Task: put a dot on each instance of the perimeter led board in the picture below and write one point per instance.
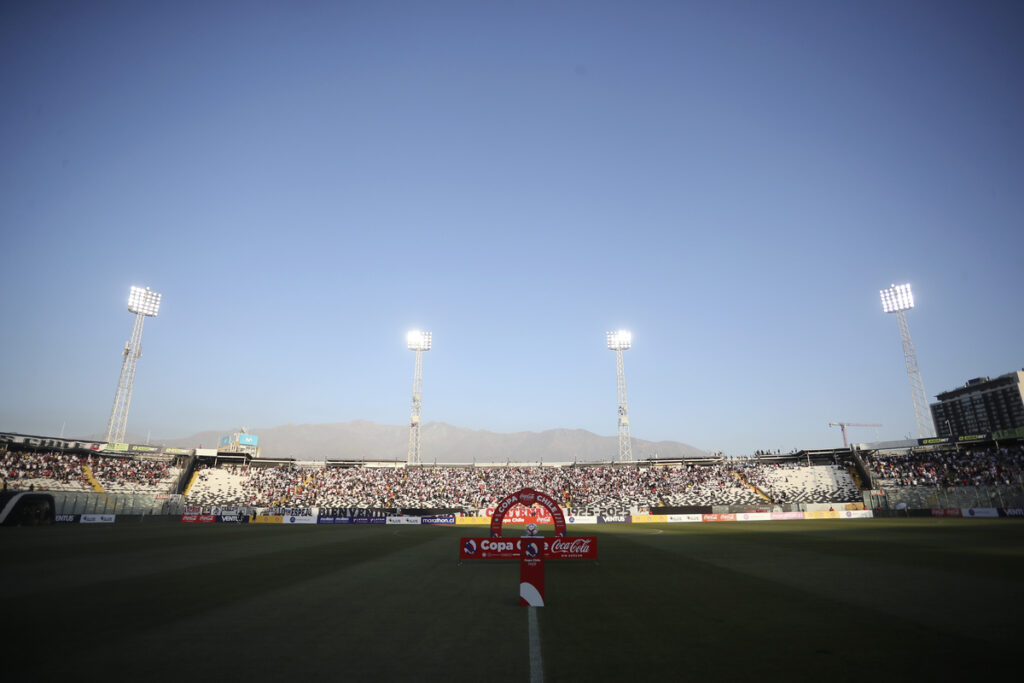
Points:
(143, 301)
(897, 298)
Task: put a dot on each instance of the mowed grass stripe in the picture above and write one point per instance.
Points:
(70, 555)
(797, 600)
(670, 601)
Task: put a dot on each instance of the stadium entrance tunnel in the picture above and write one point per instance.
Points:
(527, 497)
(26, 508)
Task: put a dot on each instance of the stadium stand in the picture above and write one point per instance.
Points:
(591, 489)
(78, 473)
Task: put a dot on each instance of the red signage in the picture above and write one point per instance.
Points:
(527, 497)
(503, 548)
(531, 551)
(719, 517)
(200, 519)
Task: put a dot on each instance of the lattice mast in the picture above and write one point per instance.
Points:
(618, 342)
(419, 342)
(898, 299)
(143, 303)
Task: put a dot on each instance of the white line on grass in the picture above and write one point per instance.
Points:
(536, 666)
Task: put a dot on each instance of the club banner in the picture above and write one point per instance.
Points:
(855, 514)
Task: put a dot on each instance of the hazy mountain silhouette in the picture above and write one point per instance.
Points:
(441, 442)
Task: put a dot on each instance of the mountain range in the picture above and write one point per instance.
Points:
(441, 443)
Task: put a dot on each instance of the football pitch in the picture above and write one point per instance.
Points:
(828, 600)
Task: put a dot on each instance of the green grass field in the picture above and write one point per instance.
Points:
(828, 600)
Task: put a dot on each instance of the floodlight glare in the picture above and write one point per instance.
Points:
(144, 301)
(619, 341)
(418, 341)
(897, 298)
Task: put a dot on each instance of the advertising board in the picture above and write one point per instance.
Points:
(438, 519)
(753, 516)
(684, 518)
(97, 519)
(719, 517)
(648, 519)
(581, 519)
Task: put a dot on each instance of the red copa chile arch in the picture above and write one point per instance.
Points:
(527, 497)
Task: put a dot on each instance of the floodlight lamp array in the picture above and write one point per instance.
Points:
(144, 301)
(418, 341)
(620, 340)
(897, 298)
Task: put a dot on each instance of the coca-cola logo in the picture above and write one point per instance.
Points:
(570, 545)
(527, 497)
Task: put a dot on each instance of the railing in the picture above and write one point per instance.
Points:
(917, 497)
(83, 503)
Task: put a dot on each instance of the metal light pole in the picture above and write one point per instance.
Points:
(898, 299)
(619, 342)
(143, 303)
(419, 342)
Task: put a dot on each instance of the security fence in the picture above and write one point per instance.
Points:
(81, 503)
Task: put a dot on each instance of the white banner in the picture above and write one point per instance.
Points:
(979, 512)
(685, 518)
(97, 519)
(855, 514)
(753, 516)
(403, 519)
(581, 519)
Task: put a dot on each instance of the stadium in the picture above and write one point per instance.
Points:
(306, 203)
(814, 565)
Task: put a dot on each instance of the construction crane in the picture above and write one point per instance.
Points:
(844, 425)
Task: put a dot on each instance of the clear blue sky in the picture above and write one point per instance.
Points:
(304, 182)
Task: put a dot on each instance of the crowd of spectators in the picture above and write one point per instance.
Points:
(582, 489)
(115, 474)
(58, 471)
(992, 467)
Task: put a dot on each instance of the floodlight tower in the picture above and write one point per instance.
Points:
(143, 303)
(419, 342)
(898, 299)
(619, 342)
